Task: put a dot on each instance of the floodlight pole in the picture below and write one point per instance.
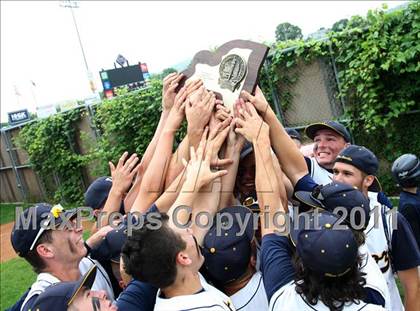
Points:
(73, 5)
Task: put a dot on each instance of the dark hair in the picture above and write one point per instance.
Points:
(359, 236)
(149, 254)
(334, 292)
(33, 257)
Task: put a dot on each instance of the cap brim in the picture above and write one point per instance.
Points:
(68, 215)
(375, 186)
(246, 152)
(305, 197)
(311, 130)
(86, 281)
(296, 228)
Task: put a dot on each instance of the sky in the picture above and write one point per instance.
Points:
(42, 62)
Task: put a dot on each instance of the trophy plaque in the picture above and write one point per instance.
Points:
(233, 67)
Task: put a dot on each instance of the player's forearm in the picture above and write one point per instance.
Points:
(206, 201)
(154, 177)
(411, 284)
(112, 204)
(228, 181)
(180, 211)
(150, 150)
(289, 156)
(167, 199)
(267, 187)
(131, 196)
(176, 166)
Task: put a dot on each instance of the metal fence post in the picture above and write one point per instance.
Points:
(10, 151)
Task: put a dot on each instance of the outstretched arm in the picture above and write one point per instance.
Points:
(182, 152)
(256, 131)
(154, 177)
(208, 197)
(170, 83)
(198, 174)
(290, 158)
(122, 177)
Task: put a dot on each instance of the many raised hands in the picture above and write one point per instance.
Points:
(198, 110)
(249, 122)
(123, 173)
(177, 113)
(198, 172)
(258, 101)
(170, 84)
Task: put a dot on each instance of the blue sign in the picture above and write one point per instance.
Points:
(19, 116)
(107, 85)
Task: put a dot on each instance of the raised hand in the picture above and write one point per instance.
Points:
(193, 85)
(198, 172)
(222, 112)
(216, 138)
(199, 108)
(123, 173)
(249, 123)
(177, 113)
(170, 83)
(258, 100)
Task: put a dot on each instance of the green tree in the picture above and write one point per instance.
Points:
(340, 25)
(167, 71)
(287, 31)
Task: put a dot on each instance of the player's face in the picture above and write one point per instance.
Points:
(348, 174)
(192, 249)
(328, 145)
(245, 179)
(69, 244)
(90, 300)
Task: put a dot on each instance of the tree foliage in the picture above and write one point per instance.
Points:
(287, 31)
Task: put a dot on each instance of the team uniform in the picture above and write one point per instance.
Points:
(209, 298)
(409, 207)
(391, 249)
(278, 275)
(252, 296)
(45, 280)
(137, 296)
(319, 174)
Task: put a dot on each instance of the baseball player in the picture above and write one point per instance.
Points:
(406, 172)
(230, 260)
(322, 266)
(73, 296)
(389, 238)
(330, 138)
(168, 255)
(55, 254)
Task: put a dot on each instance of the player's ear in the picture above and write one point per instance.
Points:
(183, 259)
(368, 181)
(45, 251)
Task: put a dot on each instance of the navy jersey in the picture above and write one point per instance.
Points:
(409, 207)
(137, 296)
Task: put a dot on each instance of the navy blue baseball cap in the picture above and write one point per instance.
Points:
(340, 129)
(323, 247)
(337, 195)
(40, 217)
(363, 159)
(110, 246)
(293, 133)
(97, 193)
(227, 254)
(246, 150)
(59, 296)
